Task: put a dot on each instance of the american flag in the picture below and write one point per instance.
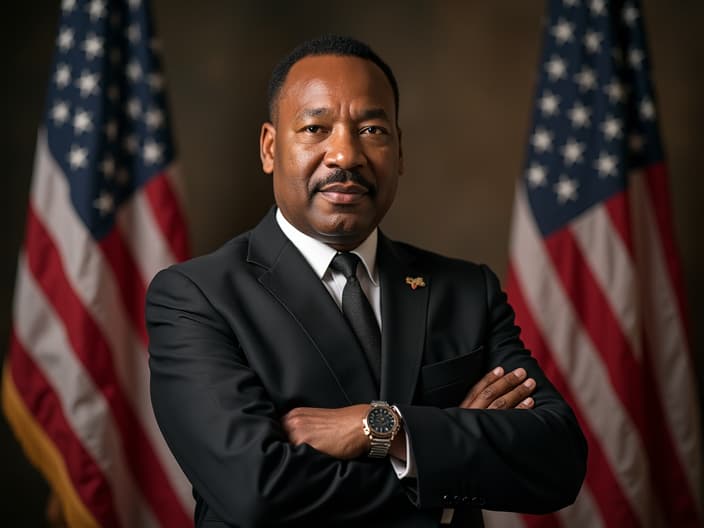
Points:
(104, 216)
(594, 275)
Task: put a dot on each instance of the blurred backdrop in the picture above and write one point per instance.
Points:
(466, 71)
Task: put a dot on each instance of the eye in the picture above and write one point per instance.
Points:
(313, 129)
(373, 130)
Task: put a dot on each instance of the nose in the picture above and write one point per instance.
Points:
(344, 150)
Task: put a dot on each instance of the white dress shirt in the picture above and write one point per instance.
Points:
(319, 256)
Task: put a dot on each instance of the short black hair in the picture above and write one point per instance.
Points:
(326, 45)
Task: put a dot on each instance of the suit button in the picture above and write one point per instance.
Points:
(465, 499)
(478, 501)
(445, 499)
(455, 499)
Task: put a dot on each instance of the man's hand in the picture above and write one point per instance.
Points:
(335, 432)
(499, 391)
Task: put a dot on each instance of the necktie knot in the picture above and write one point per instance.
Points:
(345, 263)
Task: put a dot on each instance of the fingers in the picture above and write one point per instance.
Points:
(498, 391)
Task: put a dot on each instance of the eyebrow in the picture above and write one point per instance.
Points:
(370, 113)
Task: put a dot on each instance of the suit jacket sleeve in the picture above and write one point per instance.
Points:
(531, 461)
(225, 431)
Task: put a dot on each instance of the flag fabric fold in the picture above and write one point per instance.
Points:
(104, 216)
(594, 275)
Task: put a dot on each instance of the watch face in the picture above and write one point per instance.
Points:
(381, 420)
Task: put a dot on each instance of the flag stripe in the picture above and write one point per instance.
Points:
(165, 205)
(600, 476)
(93, 351)
(92, 280)
(667, 344)
(85, 408)
(576, 359)
(74, 473)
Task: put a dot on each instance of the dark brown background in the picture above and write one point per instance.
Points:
(466, 71)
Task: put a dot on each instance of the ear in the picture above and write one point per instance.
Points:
(266, 147)
(400, 153)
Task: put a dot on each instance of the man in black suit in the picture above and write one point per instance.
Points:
(313, 371)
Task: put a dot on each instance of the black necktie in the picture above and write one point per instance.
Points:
(358, 311)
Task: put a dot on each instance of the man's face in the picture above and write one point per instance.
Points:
(334, 148)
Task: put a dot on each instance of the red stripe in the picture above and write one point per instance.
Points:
(626, 374)
(129, 279)
(168, 214)
(615, 509)
(656, 179)
(93, 351)
(42, 402)
(618, 209)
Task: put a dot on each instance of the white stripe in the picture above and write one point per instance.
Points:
(495, 519)
(143, 236)
(92, 280)
(44, 338)
(583, 513)
(666, 336)
(612, 267)
(578, 360)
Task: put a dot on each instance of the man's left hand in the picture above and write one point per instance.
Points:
(335, 432)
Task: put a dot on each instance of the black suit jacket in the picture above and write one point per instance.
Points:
(241, 336)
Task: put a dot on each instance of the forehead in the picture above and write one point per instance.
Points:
(331, 81)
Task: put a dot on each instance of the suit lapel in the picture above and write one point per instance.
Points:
(292, 281)
(404, 311)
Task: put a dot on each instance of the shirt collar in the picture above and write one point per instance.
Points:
(320, 255)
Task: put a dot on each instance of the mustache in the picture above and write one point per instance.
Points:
(342, 176)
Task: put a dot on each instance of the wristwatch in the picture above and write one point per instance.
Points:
(381, 425)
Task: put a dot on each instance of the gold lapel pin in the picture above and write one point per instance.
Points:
(415, 282)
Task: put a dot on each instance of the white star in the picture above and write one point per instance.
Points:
(636, 142)
(562, 31)
(605, 165)
(65, 40)
(586, 79)
(105, 203)
(63, 76)
(134, 71)
(635, 58)
(592, 41)
(133, 33)
(537, 176)
(111, 130)
(96, 9)
(134, 108)
(87, 83)
(154, 118)
(572, 151)
(630, 15)
(566, 189)
(60, 113)
(156, 82)
(549, 103)
(647, 109)
(77, 157)
(570, 3)
(93, 46)
(134, 4)
(131, 144)
(68, 5)
(611, 128)
(615, 91)
(108, 167)
(82, 122)
(152, 152)
(597, 7)
(542, 140)
(556, 68)
(579, 115)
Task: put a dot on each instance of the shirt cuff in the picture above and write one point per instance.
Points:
(407, 468)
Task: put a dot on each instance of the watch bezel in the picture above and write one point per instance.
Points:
(370, 431)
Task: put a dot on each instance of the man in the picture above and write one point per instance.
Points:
(298, 384)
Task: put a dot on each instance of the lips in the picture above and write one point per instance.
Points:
(343, 193)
